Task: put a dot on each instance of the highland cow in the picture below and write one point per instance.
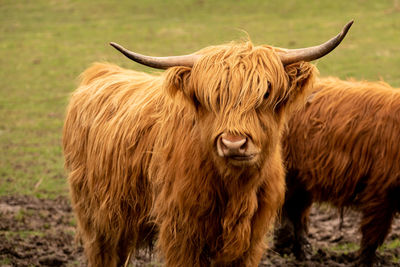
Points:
(343, 149)
(190, 158)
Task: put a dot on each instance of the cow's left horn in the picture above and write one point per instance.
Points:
(158, 62)
(289, 56)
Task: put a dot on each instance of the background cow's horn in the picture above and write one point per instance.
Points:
(289, 56)
(158, 62)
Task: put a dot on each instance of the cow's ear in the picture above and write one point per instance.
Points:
(301, 79)
(178, 80)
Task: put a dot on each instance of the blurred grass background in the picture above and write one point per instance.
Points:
(46, 44)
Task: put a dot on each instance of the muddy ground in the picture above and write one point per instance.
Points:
(35, 232)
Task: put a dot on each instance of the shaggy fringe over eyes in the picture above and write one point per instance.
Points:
(238, 77)
(241, 76)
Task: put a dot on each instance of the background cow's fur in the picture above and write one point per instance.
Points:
(343, 148)
(140, 150)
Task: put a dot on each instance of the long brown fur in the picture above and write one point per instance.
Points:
(140, 150)
(343, 148)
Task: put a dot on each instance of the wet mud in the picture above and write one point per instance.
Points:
(40, 232)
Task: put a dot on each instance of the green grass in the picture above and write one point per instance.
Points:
(345, 248)
(23, 214)
(44, 45)
(22, 234)
(390, 245)
(5, 262)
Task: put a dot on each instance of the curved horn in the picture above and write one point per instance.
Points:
(289, 56)
(158, 62)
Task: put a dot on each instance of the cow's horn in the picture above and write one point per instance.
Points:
(289, 56)
(158, 62)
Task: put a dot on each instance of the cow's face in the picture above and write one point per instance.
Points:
(241, 94)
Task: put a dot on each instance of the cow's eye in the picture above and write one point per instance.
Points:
(196, 102)
(266, 95)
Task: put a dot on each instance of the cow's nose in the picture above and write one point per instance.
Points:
(231, 145)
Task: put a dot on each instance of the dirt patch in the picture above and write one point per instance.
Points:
(335, 241)
(40, 232)
(37, 232)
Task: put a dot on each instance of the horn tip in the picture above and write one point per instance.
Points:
(113, 44)
(119, 48)
(348, 25)
(344, 31)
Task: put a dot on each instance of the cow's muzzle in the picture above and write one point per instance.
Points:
(237, 148)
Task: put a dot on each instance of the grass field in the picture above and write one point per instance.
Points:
(44, 45)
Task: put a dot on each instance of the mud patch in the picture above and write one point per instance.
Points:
(37, 232)
(40, 232)
(335, 241)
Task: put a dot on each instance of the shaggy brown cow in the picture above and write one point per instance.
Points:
(343, 148)
(190, 158)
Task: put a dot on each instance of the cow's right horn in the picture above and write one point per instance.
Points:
(158, 62)
(289, 56)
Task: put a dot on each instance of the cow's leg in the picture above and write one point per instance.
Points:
(291, 232)
(105, 244)
(109, 250)
(375, 225)
(301, 247)
(253, 256)
(99, 246)
(180, 247)
(125, 250)
(100, 252)
(134, 238)
(284, 236)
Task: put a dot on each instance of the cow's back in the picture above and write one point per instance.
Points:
(344, 143)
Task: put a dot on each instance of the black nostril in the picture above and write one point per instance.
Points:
(244, 146)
